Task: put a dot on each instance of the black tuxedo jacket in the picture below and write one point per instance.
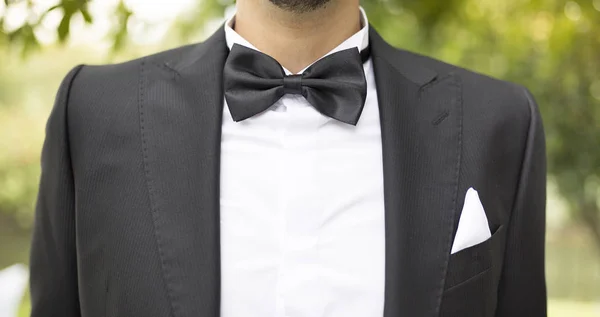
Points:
(127, 217)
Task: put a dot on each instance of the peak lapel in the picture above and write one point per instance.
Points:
(421, 136)
(181, 105)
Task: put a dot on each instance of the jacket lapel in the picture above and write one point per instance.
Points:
(181, 104)
(421, 135)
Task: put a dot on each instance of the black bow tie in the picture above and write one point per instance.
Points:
(334, 85)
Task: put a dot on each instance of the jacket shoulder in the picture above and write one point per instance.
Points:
(480, 91)
(484, 98)
(130, 67)
(105, 98)
(493, 111)
(108, 83)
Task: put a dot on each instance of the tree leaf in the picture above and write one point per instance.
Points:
(64, 27)
(86, 15)
(123, 14)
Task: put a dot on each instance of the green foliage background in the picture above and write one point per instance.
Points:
(550, 46)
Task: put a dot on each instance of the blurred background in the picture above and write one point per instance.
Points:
(550, 46)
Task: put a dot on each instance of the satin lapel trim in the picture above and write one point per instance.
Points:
(421, 122)
(181, 105)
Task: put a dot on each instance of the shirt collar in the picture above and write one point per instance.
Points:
(360, 39)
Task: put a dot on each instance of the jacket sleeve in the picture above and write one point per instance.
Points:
(522, 288)
(53, 268)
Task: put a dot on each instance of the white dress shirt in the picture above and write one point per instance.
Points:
(302, 210)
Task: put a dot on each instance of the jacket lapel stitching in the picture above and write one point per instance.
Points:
(458, 106)
(149, 184)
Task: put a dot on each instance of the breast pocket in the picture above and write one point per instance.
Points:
(470, 288)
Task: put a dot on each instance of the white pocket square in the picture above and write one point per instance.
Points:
(473, 227)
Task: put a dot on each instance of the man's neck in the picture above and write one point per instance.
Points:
(296, 40)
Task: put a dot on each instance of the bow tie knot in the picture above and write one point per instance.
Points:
(292, 84)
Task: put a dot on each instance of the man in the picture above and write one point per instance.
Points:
(293, 164)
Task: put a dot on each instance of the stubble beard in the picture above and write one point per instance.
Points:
(300, 6)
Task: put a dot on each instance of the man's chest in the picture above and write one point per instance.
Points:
(302, 213)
